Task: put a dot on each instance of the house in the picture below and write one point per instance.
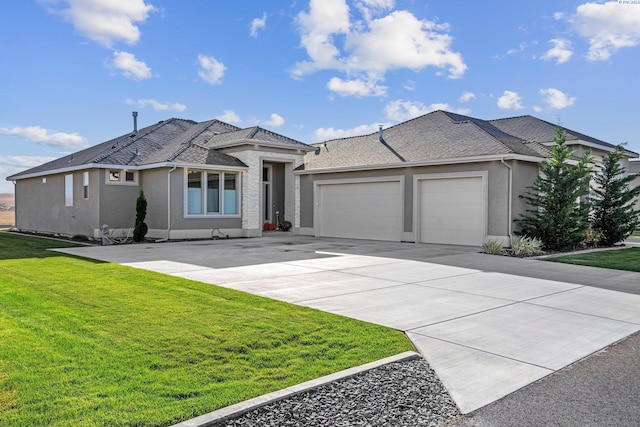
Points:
(439, 178)
(198, 178)
(634, 168)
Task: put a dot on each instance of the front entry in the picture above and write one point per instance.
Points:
(273, 210)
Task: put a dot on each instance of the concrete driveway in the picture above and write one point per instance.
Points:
(487, 325)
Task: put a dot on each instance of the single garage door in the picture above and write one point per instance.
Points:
(363, 210)
(452, 211)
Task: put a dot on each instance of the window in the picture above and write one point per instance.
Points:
(85, 185)
(68, 190)
(212, 193)
(121, 177)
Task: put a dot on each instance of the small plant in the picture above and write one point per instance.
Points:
(140, 229)
(492, 247)
(285, 225)
(526, 246)
(591, 238)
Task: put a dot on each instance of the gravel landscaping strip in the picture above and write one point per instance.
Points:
(405, 393)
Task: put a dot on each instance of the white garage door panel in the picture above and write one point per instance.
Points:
(361, 210)
(452, 211)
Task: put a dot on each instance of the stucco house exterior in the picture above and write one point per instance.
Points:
(198, 178)
(439, 178)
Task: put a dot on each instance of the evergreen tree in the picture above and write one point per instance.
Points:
(140, 229)
(559, 213)
(614, 215)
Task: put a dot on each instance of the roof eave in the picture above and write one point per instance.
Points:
(436, 162)
(258, 143)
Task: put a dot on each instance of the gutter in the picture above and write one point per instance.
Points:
(168, 205)
(510, 199)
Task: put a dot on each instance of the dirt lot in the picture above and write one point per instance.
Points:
(7, 210)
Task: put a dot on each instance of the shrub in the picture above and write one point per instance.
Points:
(140, 229)
(526, 246)
(492, 247)
(591, 238)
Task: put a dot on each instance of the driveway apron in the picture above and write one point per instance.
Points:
(484, 331)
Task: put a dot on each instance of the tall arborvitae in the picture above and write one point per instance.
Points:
(140, 229)
(559, 213)
(614, 215)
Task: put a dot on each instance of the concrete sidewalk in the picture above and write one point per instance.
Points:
(486, 332)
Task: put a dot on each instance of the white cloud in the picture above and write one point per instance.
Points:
(558, 16)
(258, 24)
(23, 162)
(275, 121)
(607, 26)
(130, 67)
(41, 135)
(561, 51)
(211, 70)
(510, 101)
(557, 99)
(157, 106)
(366, 51)
(356, 87)
(324, 134)
(229, 116)
(104, 21)
(467, 96)
(400, 110)
(537, 109)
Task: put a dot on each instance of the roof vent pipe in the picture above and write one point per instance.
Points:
(135, 121)
(380, 133)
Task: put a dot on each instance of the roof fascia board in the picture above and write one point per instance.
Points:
(606, 148)
(437, 162)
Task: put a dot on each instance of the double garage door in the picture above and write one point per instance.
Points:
(448, 210)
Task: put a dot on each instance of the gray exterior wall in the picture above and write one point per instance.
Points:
(118, 203)
(498, 219)
(40, 206)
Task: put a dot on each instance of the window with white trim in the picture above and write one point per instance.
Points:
(68, 190)
(121, 177)
(85, 185)
(211, 193)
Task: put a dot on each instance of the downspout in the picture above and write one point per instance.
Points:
(510, 198)
(168, 205)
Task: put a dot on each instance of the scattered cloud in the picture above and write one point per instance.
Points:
(275, 121)
(258, 24)
(130, 67)
(510, 101)
(324, 134)
(156, 105)
(558, 16)
(560, 52)
(607, 27)
(41, 135)
(365, 50)
(22, 162)
(211, 70)
(410, 85)
(358, 88)
(467, 96)
(400, 110)
(103, 21)
(229, 116)
(556, 99)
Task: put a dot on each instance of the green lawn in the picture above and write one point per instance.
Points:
(618, 259)
(84, 343)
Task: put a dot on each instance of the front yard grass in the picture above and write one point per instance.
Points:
(618, 259)
(85, 343)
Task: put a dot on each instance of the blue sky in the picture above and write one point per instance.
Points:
(74, 70)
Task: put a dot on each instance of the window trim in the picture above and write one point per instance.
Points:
(122, 177)
(85, 185)
(222, 174)
(68, 190)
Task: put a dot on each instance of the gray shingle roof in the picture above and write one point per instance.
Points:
(173, 140)
(533, 129)
(435, 136)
